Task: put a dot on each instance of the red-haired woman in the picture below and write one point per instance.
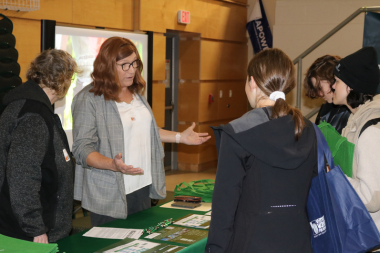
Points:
(117, 144)
(266, 163)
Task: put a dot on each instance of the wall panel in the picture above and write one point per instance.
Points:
(158, 103)
(223, 60)
(214, 19)
(111, 13)
(188, 102)
(233, 62)
(233, 103)
(159, 56)
(210, 59)
(28, 42)
(208, 111)
(189, 57)
(225, 21)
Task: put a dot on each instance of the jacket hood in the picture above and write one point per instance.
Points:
(272, 141)
(28, 90)
(367, 111)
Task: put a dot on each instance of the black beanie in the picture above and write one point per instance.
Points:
(360, 71)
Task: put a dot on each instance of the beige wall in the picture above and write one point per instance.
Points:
(297, 24)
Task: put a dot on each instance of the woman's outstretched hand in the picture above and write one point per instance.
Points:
(190, 137)
(120, 166)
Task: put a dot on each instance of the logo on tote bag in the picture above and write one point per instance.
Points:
(318, 226)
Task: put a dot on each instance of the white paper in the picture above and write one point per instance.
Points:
(152, 235)
(114, 233)
(194, 220)
(133, 247)
(209, 213)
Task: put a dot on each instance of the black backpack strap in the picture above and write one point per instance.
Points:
(368, 124)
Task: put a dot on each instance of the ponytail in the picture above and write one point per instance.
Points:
(281, 108)
(274, 71)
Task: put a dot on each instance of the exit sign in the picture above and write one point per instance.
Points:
(184, 17)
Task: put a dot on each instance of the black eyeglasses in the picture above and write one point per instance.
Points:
(127, 66)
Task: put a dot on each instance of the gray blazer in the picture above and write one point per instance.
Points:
(97, 127)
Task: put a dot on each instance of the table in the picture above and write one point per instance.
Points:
(144, 219)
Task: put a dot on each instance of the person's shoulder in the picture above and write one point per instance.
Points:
(85, 93)
(14, 106)
(86, 96)
(249, 120)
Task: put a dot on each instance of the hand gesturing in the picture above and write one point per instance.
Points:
(120, 166)
(190, 137)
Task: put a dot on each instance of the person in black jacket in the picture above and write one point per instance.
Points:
(318, 84)
(266, 161)
(36, 165)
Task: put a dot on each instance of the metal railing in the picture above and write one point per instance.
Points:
(298, 60)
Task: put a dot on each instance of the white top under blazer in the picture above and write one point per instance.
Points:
(136, 121)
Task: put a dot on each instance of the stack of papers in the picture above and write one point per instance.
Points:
(8, 244)
(114, 233)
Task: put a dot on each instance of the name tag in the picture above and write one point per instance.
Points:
(66, 155)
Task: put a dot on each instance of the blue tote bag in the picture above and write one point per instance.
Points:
(340, 223)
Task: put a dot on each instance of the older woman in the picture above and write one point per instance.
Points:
(117, 143)
(36, 166)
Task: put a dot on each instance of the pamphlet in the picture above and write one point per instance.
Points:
(179, 235)
(194, 220)
(138, 246)
(114, 233)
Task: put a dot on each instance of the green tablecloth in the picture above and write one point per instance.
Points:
(144, 219)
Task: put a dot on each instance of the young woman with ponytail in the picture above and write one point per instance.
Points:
(267, 159)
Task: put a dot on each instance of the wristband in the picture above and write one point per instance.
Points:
(177, 137)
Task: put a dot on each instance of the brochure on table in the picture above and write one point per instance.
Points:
(194, 220)
(178, 235)
(140, 246)
(114, 233)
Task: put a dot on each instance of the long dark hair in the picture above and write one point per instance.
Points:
(273, 71)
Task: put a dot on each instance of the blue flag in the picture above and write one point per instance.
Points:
(371, 35)
(258, 28)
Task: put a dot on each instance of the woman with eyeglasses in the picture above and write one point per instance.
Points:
(318, 84)
(117, 144)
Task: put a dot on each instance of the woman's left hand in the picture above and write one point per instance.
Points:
(190, 137)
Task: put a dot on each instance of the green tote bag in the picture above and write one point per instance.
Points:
(200, 188)
(342, 150)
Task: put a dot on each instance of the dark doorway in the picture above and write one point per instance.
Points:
(171, 98)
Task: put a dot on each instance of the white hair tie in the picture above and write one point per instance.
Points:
(276, 95)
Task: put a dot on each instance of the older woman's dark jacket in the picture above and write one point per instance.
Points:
(36, 179)
(262, 184)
